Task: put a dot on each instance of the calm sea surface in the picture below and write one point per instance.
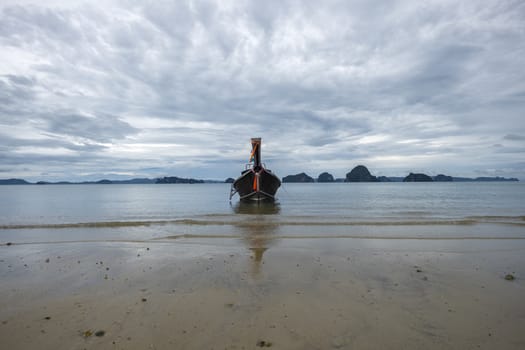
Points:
(31, 213)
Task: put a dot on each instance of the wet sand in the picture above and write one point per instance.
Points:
(230, 293)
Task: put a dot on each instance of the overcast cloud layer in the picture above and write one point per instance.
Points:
(121, 89)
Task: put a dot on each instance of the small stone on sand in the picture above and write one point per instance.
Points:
(510, 277)
(264, 344)
(100, 333)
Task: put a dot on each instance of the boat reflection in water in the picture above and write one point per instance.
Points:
(257, 229)
(257, 208)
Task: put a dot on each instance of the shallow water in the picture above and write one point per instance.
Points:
(338, 210)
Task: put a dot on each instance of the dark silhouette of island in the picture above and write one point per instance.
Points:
(325, 177)
(443, 178)
(100, 182)
(417, 178)
(14, 182)
(177, 180)
(484, 179)
(387, 179)
(302, 177)
(390, 178)
(164, 180)
(360, 174)
(447, 178)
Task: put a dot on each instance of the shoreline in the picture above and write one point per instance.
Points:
(261, 291)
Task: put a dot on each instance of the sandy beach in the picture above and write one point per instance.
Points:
(226, 293)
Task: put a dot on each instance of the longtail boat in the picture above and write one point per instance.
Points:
(256, 183)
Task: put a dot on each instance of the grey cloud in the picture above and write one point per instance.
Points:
(15, 89)
(26, 19)
(100, 128)
(20, 80)
(441, 72)
(513, 137)
(12, 143)
(511, 150)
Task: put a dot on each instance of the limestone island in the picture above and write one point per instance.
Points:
(302, 177)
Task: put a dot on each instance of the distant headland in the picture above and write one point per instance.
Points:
(359, 173)
(161, 180)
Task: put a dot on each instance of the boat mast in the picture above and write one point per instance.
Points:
(256, 152)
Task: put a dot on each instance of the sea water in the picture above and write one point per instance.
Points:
(475, 210)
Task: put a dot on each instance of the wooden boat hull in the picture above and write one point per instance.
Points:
(257, 186)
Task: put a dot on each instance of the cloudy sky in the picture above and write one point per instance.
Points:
(122, 89)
